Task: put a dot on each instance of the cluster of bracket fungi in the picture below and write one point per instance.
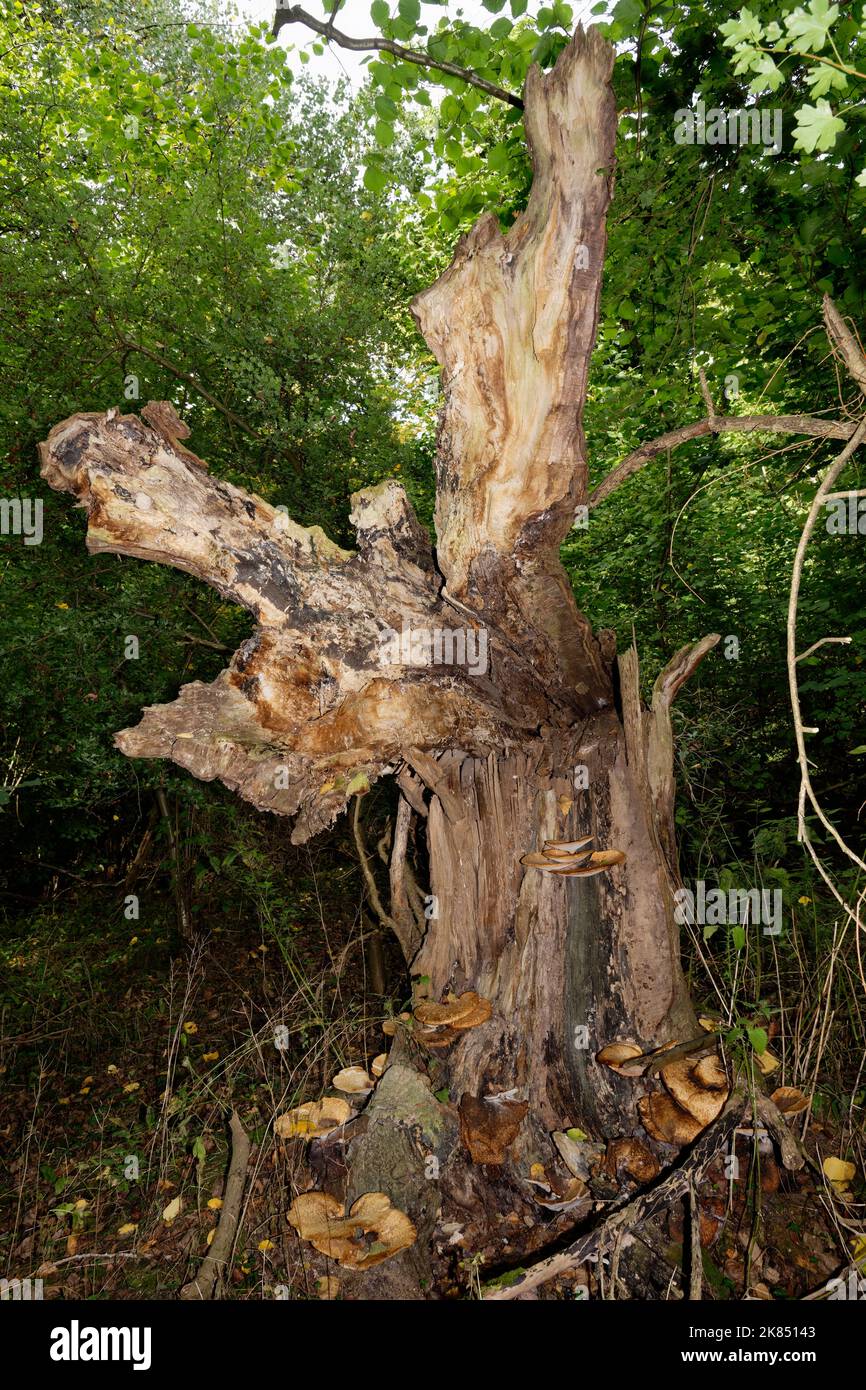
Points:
(694, 1094)
(573, 859)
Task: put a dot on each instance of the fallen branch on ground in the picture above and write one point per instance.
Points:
(214, 1263)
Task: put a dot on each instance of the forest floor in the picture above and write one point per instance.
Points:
(120, 1065)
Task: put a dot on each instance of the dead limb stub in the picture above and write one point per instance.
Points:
(321, 699)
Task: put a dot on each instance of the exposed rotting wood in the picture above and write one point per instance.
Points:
(512, 323)
(322, 697)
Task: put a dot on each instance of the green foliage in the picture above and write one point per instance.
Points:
(804, 45)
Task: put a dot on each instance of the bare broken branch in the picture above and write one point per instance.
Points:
(294, 14)
(718, 424)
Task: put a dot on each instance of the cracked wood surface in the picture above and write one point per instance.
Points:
(512, 323)
(317, 704)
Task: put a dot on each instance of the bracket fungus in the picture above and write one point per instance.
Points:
(437, 1025)
(632, 1157)
(572, 859)
(617, 1056)
(789, 1101)
(353, 1081)
(489, 1125)
(467, 1011)
(372, 1231)
(314, 1119)
(697, 1091)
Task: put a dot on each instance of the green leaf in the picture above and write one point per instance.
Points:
(746, 28)
(823, 79)
(380, 12)
(810, 28)
(758, 1038)
(384, 132)
(738, 936)
(518, 7)
(817, 127)
(375, 178)
(628, 13)
(410, 11)
(498, 156)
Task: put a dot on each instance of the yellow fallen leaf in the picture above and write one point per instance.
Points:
(88, 1081)
(81, 1204)
(265, 1246)
(112, 1070)
(131, 1086)
(215, 1203)
(172, 1210)
(85, 1091)
(211, 1235)
(129, 1229)
(190, 1028)
(838, 1171)
(210, 1057)
(767, 1062)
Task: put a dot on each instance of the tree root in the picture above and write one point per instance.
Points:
(636, 1210)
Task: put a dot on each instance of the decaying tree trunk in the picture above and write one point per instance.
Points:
(521, 742)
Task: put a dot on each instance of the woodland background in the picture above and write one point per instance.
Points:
(187, 215)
